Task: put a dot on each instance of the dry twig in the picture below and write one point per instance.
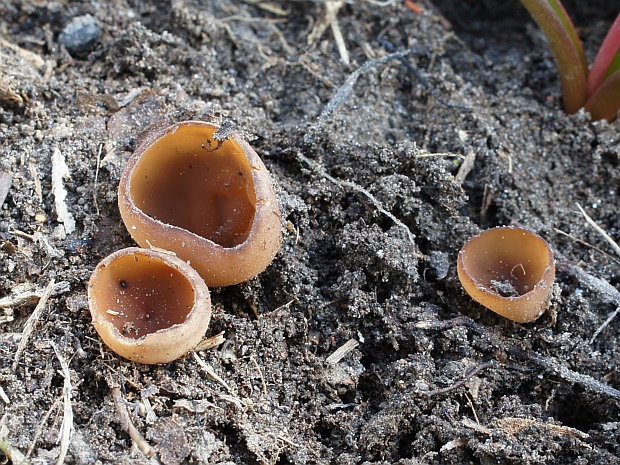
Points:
(600, 230)
(127, 424)
(547, 364)
(64, 436)
(32, 321)
(470, 374)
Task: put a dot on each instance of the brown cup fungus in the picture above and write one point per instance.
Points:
(148, 306)
(210, 202)
(508, 270)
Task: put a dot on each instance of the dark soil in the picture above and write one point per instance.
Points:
(543, 392)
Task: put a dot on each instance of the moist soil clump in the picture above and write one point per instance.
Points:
(358, 343)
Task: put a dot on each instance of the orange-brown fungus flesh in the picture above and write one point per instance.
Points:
(142, 295)
(148, 306)
(212, 203)
(185, 180)
(508, 270)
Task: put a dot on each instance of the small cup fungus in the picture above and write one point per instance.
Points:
(148, 306)
(210, 202)
(508, 270)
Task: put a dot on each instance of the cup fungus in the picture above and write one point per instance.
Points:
(508, 270)
(148, 306)
(210, 202)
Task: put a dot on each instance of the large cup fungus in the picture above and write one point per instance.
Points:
(210, 202)
(508, 270)
(148, 306)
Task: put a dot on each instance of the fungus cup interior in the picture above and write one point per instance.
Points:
(189, 180)
(141, 294)
(508, 270)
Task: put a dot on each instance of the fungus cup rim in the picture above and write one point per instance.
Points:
(193, 328)
(524, 307)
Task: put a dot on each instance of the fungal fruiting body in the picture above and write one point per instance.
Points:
(210, 202)
(509, 270)
(148, 306)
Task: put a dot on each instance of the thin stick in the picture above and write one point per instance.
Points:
(319, 170)
(32, 321)
(97, 179)
(345, 90)
(390, 48)
(331, 7)
(471, 373)
(39, 429)
(600, 230)
(211, 372)
(581, 241)
(127, 424)
(260, 372)
(547, 364)
(64, 436)
(611, 316)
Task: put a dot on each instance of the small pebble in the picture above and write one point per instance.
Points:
(80, 34)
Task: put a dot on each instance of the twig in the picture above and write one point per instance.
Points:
(466, 167)
(412, 69)
(32, 321)
(548, 364)
(95, 201)
(331, 6)
(321, 172)
(260, 372)
(611, 316)
(600, 230)
(345, 90)
(342, 351)
(39, 429)
(127, 424)
(4, 397)
(64, 436)
(606, 291)
(581, 241)
(471, 373)
(211, 372)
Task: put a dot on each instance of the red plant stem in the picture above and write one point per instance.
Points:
(605, 101)
(605, 56)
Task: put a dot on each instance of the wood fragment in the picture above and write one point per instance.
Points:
(210, 342)
(600, 230)
(32, 321)
(127, 424)
(212, 374)
(60, 171)
(332, 7)
(465, 168)
(547, 364)
(472, 372)
(4, 397)
(6, 179)
(342, 351)
(66, 427)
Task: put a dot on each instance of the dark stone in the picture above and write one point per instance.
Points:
(80, 34)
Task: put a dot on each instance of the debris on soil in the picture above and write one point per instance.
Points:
(357, 344)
